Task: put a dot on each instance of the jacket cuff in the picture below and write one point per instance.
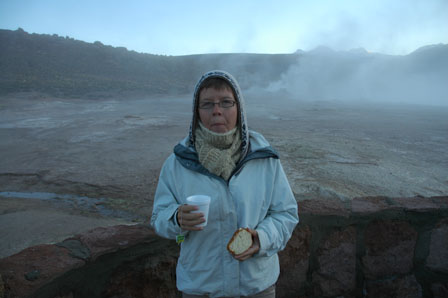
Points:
(176, 223)
(264, 242)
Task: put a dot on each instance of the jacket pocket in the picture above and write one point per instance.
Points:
(197, 256)
(259, 268)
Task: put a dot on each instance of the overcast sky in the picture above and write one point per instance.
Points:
(254, 26)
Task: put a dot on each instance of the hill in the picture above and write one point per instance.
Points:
(65, 67)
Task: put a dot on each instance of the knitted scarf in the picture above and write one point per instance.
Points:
(218, 152)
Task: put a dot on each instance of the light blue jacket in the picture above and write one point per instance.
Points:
(257, 196)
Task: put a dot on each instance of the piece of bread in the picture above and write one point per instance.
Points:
(240, 242)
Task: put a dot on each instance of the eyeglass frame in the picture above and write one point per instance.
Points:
(219, 103)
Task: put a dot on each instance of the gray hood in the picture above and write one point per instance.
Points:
(242, 122)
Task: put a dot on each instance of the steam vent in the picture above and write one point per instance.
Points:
(366, 247)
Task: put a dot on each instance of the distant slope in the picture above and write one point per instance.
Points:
(71, 68)
(66, 67)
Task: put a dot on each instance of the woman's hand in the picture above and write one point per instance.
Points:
(188, 220)
(251, 250)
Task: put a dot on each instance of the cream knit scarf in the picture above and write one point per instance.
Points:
(218, 152)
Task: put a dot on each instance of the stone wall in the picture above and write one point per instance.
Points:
(367, 247)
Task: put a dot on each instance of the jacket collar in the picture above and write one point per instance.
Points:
(187, 156)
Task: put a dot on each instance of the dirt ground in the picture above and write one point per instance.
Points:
(70, 165)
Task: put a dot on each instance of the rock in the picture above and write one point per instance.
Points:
(441, 201)
(419, 204)
(330, 206)
(403, 287)
(389, 248)
(2, 288)
(438, 248)
(151, 277)
(69, 295)
(336, 258)
(369, 205)
(33, 267)
(294, 262)
(128, 261)
(110, 239)
(32, 275)
(439, 290)
(76, 248)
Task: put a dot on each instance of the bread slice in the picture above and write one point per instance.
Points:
(240, 242)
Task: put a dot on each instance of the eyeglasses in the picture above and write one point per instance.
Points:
(225, 104)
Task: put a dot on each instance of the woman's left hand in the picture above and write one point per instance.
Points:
(251, 250)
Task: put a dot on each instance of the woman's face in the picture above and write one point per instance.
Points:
(218, 119)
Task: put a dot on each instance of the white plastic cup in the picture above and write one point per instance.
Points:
(203, 202)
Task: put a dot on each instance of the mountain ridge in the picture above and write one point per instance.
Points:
(65, 67)
(71, 68)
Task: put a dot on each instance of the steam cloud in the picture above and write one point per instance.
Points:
(356, 75)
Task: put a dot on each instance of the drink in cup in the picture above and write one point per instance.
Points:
(203, 202)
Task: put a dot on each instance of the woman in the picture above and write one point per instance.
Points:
(243, 176)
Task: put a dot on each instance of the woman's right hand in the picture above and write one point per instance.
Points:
(188, 220)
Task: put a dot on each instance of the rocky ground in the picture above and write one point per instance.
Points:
(70, 165)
